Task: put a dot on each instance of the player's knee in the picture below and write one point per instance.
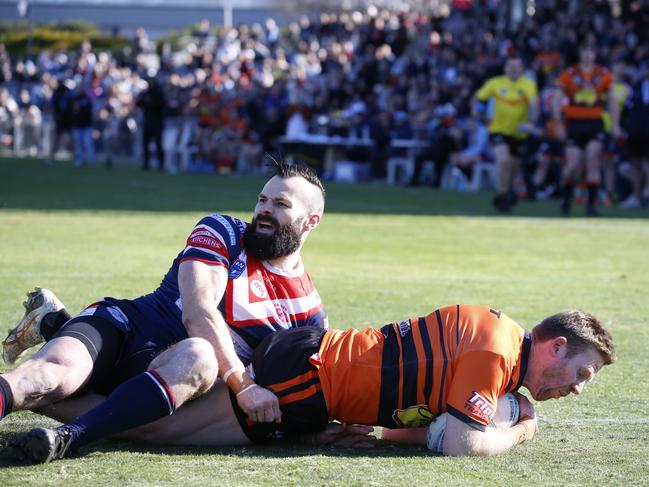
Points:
(54, 380)
(199, 360)
(204, 365)
(190, 364)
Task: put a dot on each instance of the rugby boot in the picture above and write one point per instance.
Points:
(27, 333)
(42, 445)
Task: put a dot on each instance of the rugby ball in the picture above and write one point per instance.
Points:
(507, 413)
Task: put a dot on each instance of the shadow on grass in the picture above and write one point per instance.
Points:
(382, 449)
(12, 458)
(32, 185)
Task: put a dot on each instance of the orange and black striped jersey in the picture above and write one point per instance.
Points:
(586, 91)
(458, 359)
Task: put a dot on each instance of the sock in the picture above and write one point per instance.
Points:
(568, 192)
(52, 322)
(138, 401)
(6, 398)
(592, 193)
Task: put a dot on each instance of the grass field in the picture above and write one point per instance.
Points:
(381, 254)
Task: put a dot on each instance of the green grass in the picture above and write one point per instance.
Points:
(381, 254)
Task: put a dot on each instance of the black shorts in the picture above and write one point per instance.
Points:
(282, 364)
(581, 132)
(552, 148)
(516, 146)
(113, 362)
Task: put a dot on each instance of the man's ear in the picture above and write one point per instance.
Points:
(560, 346)
(312, 221)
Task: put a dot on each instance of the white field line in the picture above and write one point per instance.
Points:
(594, 421)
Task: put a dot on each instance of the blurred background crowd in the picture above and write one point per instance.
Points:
(219, 98)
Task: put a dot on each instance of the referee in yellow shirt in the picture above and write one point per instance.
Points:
(515, 113)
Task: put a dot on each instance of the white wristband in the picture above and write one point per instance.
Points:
(249, 386)
(231, 371)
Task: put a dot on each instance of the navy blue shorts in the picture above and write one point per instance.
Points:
(123, 337)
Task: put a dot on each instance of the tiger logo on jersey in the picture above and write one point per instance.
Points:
(417, 416)
(586, 96)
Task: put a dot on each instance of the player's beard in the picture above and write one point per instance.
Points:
(284, 241)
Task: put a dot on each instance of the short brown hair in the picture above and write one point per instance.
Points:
(581, 329)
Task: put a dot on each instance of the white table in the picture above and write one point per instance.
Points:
(333, 146)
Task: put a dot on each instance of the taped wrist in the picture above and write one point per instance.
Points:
(238, 380)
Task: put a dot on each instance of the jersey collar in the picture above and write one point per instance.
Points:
(523, 362)
(296, 272)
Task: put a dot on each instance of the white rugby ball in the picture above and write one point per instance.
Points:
(507, 413)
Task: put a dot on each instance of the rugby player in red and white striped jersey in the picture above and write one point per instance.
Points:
(231, 286)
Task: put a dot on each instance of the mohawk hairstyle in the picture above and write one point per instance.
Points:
(284, 169)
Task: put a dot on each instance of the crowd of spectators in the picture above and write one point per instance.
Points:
(378, 74)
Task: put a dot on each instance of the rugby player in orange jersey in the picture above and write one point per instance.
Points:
(458, 359)
(587, 87)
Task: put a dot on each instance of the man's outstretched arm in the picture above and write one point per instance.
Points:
(416, 436)
(202, 287)
(460, 439)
